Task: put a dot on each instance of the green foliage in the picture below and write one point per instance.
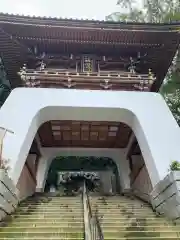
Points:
(175, 166)
(157, 11)
(5, 87)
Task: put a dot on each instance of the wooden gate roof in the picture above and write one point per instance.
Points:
(19, 34)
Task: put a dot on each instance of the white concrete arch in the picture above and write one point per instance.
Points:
(146, 113)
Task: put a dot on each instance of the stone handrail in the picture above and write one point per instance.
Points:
(92, 227)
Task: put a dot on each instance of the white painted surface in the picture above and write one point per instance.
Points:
(146, 113)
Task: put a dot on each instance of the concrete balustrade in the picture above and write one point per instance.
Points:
(165, 196)
(8, 197)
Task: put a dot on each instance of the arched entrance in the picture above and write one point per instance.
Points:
(79, 169)
(145, 113)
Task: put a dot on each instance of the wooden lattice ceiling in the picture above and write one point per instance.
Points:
(84, 134)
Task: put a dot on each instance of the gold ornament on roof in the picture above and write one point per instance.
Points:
(22, 72)
(151, 76)
(69, 83)
(42, 66)
(106, 84)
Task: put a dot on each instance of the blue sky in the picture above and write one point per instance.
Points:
(91, 9)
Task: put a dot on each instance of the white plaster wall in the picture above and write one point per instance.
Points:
(146, 113)
(118, 155)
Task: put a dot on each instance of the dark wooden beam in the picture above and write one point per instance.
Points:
(131, 148)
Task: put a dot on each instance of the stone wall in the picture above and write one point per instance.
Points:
(141, 184)
(26, 183)
(165, 197)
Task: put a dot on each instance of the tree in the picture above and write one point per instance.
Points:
(157, 11)
(5, 87)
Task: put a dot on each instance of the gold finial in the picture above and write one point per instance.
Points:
(151, 76)
(22, 72)
(106, 84)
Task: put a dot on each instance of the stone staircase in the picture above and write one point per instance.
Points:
(127, 218)
(44, 218)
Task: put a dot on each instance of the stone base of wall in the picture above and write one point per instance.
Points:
(39, 190)
(26, 184)
(142, 187)
(165, 197)
(8, 195)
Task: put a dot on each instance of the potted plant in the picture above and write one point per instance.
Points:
(175, 166)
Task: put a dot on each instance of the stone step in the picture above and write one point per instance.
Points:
(126, 224)
(55, 200)
(52, 205)
(46, 234)
(48, 212)
(124, 210)
(139, 234)
(118, 200)
(153, 228)
(42, 238)
(52, 214)
(82, 238)
(47, 224)
(139, 219)
(63, 210)
(119, 204)
(43, 229)
(113, 206)
(141, 238)
(40, 217)
(112, 224)
(130, 214)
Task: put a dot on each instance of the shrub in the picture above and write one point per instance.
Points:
(175, 166)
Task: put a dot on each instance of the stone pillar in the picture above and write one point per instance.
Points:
(42, 172)
(27, 181)
(105, 177)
